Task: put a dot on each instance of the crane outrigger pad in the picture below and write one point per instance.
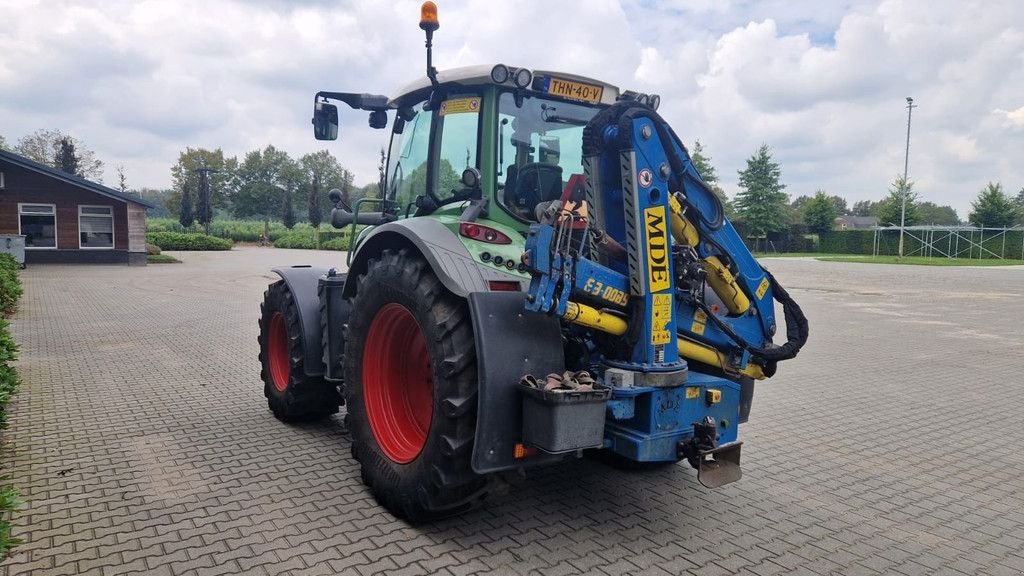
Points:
(720, 466)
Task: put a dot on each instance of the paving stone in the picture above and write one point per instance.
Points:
(151, 401)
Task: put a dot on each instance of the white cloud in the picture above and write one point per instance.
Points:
(1014, 118)
(822, 83)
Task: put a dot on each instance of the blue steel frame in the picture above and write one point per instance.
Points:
(647, 424)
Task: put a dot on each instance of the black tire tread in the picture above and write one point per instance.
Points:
(440, 482)
(306, 398)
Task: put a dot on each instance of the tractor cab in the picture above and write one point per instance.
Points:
(510, 135)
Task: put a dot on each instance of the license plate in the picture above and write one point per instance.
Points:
(574, 90)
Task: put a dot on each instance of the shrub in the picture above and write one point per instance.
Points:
(10, 284)
(235, 230)
(179, 241)
(10, 292)
(306, 240)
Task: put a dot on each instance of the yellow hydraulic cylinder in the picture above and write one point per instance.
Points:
(708, 355)
(724, 284)
(593, 318)
(682, 229)
(607, 322)
(719, 277)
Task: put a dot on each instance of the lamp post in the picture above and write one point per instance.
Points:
(906, 164)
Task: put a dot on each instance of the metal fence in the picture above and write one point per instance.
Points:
(951, 242)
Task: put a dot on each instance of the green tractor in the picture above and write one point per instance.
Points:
(445, 311)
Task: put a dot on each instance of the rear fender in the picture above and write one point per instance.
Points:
(302, 282)
(457, 269)
(510, 342)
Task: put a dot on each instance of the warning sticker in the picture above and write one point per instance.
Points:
(460, 106)
(661, 315)
(762, 288)
(699, 321)
(692, 392)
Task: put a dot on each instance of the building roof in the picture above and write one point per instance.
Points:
(89, 185)
(859, 221)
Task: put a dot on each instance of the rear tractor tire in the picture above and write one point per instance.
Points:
(292, 395)
(410, 388)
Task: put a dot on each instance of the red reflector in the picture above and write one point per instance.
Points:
(503, 286)
(483, 233)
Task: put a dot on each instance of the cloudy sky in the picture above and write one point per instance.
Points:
(822, 83)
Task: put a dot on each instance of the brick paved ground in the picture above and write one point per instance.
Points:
(142, 443)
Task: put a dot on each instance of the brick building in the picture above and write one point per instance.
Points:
(68, 219)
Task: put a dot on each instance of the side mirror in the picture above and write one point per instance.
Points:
(325, 121)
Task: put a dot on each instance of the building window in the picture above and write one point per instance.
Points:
(95, 227)
(38, 224)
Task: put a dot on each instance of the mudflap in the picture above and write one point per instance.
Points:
(302, 281)
(720, 466)
(510, 342)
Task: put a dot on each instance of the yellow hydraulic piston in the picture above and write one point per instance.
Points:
(708, 355)
(593, 318)
(723, 283)
(719, 277)
(607, 322)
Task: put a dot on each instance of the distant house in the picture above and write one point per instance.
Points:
(67, 219)
(855, 222)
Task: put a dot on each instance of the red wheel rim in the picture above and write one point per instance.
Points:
(397, 383)
(277, 352)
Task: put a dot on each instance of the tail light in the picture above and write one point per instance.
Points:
(482, 233)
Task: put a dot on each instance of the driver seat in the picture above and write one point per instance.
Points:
(534, 183)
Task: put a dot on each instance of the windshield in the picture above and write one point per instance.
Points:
(540, 145)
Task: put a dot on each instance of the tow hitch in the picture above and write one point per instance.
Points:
(716, 465)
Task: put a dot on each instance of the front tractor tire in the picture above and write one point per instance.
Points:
(410, 388)
(292, 395)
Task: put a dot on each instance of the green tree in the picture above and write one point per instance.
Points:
(1019, 201)
(44, 147)
(162, 200)
(321, 172)
(839, 203)
(819, 213)
(932, 213)
(3, 143)
(993, 208)
(65, 159)
(185, 209)
(761, 201)
(223, 177)
(889, 208)
(122, 180)
(288, 211)
(702, 163)
(865, 208)
(263, 177)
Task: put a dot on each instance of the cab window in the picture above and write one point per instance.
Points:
(407, 168)
(458, 126)
(540, 145)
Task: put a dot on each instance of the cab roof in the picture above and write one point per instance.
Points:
(481, 74)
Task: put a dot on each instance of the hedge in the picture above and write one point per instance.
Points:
(178, 241)
(862, 241)
(10, 292)
(237, 230)
(329, 240)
